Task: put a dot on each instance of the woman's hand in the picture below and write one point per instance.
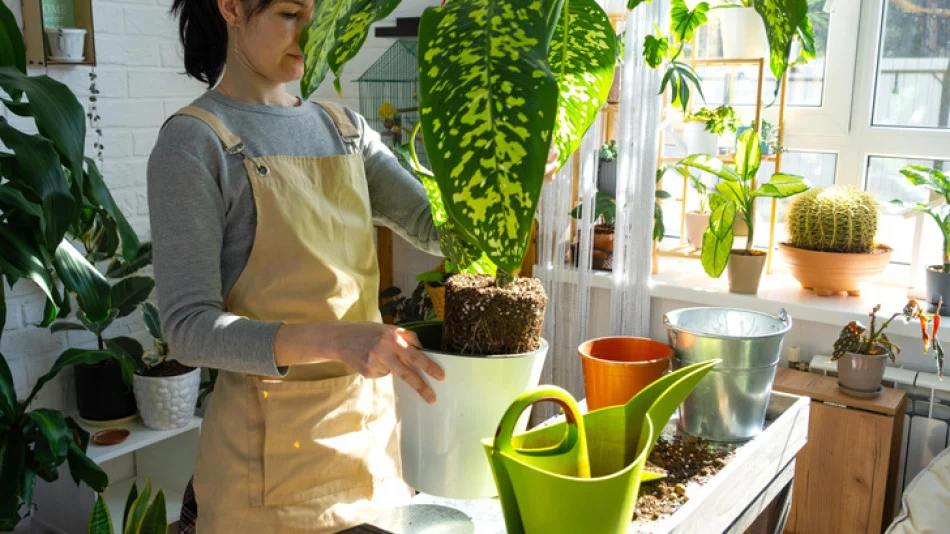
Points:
(371, 349)
(550, 170)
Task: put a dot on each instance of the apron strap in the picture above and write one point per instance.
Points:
(347, 129)
(231, 142)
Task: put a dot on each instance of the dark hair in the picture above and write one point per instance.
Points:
(204, 36)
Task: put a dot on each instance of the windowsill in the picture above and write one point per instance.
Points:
(683, 279)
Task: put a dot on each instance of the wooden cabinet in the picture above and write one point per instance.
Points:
(846, 476)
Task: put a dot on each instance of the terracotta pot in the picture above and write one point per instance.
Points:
(860, 372)
(828, 273)
(696, 224)
(617, 368)
(603, 256)
(938, 283)
(745, 272)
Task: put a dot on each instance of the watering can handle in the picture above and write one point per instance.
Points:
(669, 329)
(524, 401)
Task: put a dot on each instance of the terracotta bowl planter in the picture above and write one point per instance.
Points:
(745, 272)
(603, 257)
(617, 368)
(861, 373)
(829, 273)
(696, 224)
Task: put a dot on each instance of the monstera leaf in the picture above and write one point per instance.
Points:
(335, 35)
(488, 106)
(582, 57)
(783, 20)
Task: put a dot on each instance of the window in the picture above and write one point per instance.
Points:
(876, 99)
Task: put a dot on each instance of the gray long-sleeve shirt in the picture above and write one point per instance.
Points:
(203, 219)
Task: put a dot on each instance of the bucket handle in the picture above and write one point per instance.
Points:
(783, 316)
(540, 394)
(669, 329)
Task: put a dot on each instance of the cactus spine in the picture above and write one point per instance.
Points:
(834, 219)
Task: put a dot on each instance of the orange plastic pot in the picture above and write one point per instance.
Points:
(617, 368)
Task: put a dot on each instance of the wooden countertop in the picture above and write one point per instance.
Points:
(825, 388)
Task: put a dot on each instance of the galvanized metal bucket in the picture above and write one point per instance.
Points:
(730, 402)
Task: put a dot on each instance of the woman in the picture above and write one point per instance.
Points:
(262, 210)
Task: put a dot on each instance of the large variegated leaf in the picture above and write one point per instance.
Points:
(782, 186)
(40, 170)
(748, 154)
(100, 522)
(583, 57)
(782, 19)
(335, 35)
(488, 106)
(718, 238)
(710, 164)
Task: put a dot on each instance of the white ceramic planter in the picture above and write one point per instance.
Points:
(698, 140)
(167, 402)
(440, 443)
(742, 31)
(66, 44)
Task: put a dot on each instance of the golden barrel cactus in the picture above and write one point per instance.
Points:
(833, 219)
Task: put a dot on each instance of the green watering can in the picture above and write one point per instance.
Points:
(584, 474)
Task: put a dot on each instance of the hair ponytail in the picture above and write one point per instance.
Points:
(204, 37)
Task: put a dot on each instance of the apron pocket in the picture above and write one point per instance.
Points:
(315, 439)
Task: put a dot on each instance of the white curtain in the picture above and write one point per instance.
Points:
(568, 286)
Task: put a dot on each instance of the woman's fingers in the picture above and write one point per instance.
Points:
(415, 356)
(408, 375)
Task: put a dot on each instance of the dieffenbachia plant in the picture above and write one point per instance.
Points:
(938, 182)
(734, 197)
(501, 84)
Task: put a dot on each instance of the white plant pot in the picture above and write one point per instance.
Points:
(167, 402)
(698, 140)
(742, 31)
(440, 443)
(66, 44)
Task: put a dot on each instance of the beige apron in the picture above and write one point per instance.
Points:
(317, 450)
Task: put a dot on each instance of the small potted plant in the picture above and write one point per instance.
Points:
(142, 514)
(605, 213)
(701, 130)
(165, 390)
(697, 221)
(831, 246)
(607, 169)
(415, 308)
(861, 351)
(733, 199)
(938, 276)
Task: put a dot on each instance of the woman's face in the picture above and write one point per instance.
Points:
(269, 40)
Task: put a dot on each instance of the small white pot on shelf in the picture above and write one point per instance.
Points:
(66, 44)
(167, 402)
(742, 31)
(698, 140)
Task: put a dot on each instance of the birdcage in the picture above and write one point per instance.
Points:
(389, 96)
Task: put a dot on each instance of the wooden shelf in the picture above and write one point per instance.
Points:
(725, 158)
(35, 38)
(139, 437)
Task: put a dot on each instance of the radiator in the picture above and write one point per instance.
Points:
(927, 422)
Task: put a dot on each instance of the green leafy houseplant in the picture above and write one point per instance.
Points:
(608, 151)
(142, 514)
(416, 307)
(939, 183)
(717, 120)
(734, 197)
(659, 49)
(35, 443)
